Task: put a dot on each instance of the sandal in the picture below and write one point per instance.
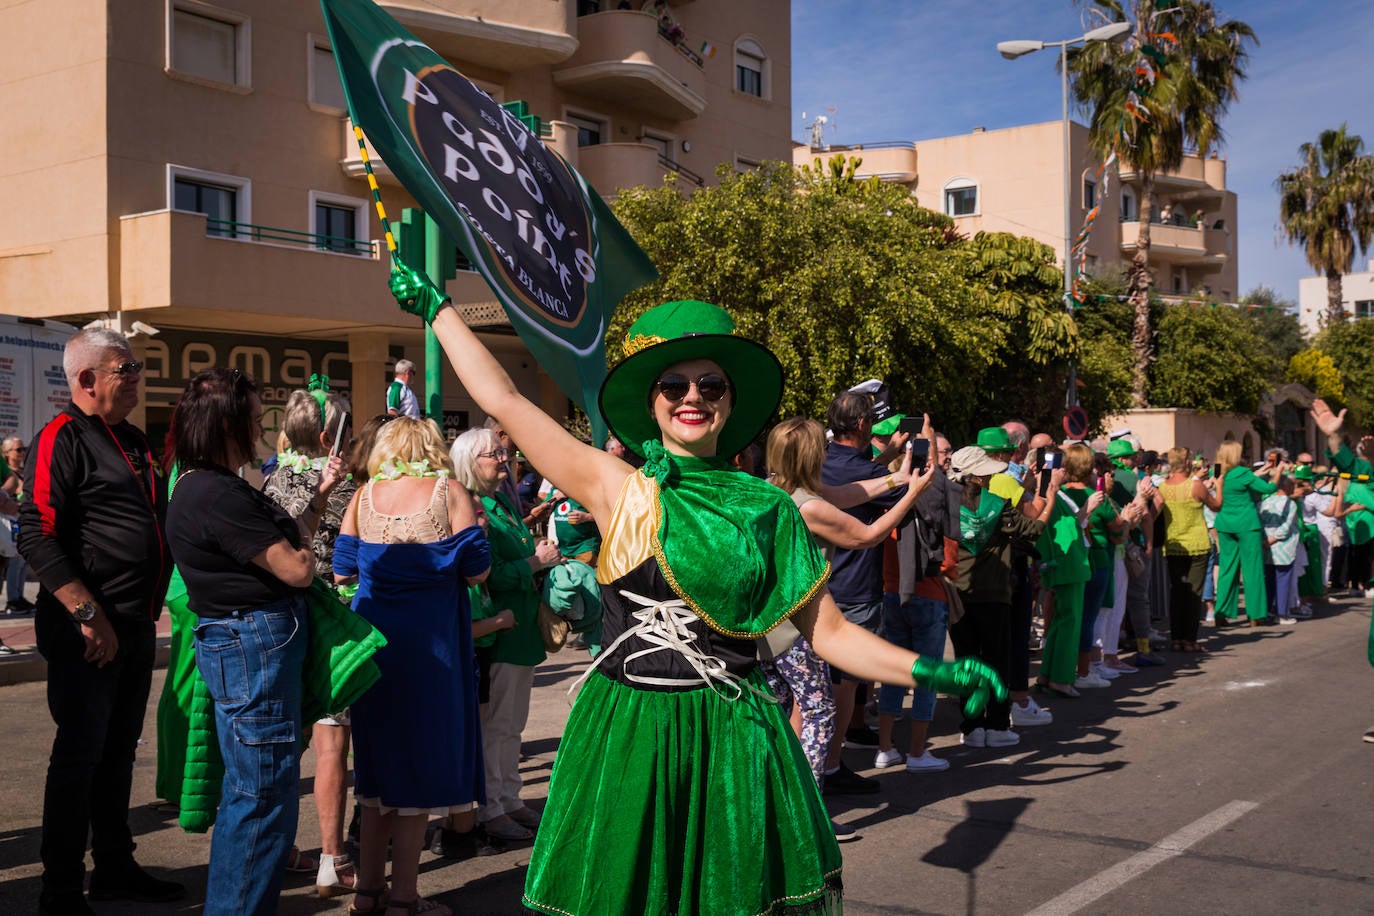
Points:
(419, 905)
(300, 863)
(379, 901)
(509, 830)
(336, 876)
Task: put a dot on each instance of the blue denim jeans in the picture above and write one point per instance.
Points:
(919, 625)
(251, 663)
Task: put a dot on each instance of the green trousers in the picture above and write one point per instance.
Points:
(1059, 658)
(1241, 555)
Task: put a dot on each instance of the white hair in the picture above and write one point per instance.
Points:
(464, 453)
(86, 348)
(11, 443)
(403, 366)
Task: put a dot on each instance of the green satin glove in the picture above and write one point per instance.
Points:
(966, 677)
(415, 293)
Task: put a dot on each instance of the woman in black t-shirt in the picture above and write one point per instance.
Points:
(246, 564)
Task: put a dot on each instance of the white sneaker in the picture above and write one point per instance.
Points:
(1002, 738)
(888, 758)
(976, 738)
(1091, 679)
(1030, 714)
(1288, 621)
(1102, 671)
(926, 763)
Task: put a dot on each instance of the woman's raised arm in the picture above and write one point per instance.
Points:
(587, 474)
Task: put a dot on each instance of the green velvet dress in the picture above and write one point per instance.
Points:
(679, 788)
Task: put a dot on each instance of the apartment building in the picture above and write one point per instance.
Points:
(1357, 297)
(1012, 180)
(189, 164)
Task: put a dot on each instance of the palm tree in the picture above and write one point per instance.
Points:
(1326, 204)
(1194, 86)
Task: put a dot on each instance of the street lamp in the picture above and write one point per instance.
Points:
(1011, 50)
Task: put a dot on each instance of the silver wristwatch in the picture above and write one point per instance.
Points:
(84, 612)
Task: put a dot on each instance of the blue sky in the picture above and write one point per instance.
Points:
(916, 69)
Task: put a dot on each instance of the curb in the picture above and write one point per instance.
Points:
(26, 665)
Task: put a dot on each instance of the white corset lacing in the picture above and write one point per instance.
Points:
(664, 626)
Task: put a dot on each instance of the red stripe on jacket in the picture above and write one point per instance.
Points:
(42, 474)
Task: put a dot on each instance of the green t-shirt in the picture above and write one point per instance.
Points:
(574, 539)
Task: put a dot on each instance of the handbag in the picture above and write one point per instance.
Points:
(553, 630)
(954, 600)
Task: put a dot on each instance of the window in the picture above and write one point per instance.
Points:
(219, 204)
(1129, 212)
(961, 197)
(751, 68)
(1089, 193)
(212, 47)
(342, 221)
(337, 225)
(662, 145)
(325, 87)
(589, 129)
(587, 7)
(224, 199)
(1364, 308)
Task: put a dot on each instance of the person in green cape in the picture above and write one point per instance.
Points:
(679, 787)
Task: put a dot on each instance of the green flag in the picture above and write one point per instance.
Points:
(556, 257)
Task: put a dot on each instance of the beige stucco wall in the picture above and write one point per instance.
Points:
(1160, 429)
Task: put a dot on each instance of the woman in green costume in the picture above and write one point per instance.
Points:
(679, 787)
(1240, 539)
(1359, 522)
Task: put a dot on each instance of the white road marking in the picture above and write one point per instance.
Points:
(1104, 882)
(1244, 685)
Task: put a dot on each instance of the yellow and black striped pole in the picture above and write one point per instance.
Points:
(376, 191)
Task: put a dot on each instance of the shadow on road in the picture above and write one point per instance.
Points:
(972, 841)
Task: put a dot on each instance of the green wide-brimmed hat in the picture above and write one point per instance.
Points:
(677, 331)
(994, 439)
(1304, 472)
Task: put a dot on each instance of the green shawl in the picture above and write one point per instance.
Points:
(734, 547)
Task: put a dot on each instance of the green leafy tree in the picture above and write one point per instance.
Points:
(846, 280)
(1349, 344)
(1326, 205)
(1195, 85)
(1275, 320)
(1318, 372)
(1105, 356)
(1189, 371)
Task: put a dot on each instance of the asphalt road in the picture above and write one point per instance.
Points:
(1234, 783)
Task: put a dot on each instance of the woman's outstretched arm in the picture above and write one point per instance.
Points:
(587, 474)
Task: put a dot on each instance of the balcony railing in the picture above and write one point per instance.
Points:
(223, 228)
(686, 173)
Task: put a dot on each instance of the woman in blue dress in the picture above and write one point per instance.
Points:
(411, 537)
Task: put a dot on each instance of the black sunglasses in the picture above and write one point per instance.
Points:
(712, 387)
(124, 370)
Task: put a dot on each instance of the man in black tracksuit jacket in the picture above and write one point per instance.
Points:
(92, 532)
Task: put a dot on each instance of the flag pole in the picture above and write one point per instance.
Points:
(376, 191)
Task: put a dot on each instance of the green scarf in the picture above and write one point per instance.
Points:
(977, 527)
(734, 547)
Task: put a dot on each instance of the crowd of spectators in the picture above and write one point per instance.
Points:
(1099, 555)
